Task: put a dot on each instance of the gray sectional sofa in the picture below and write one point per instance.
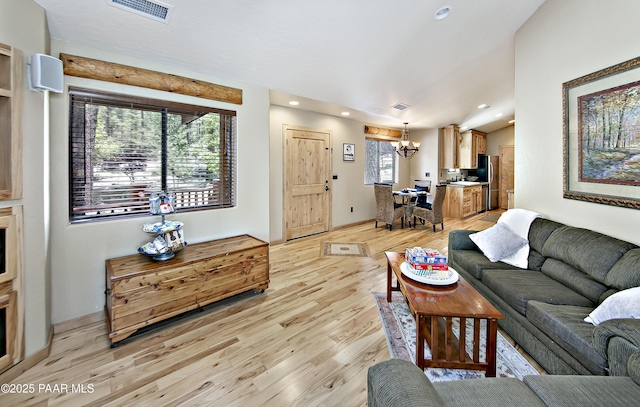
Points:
(570, 272)
(396, 383)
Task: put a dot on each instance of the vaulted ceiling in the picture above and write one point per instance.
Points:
(360, 56)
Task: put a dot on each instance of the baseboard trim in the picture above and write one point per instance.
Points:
(15, 371)
(78, 322)
(281, 241)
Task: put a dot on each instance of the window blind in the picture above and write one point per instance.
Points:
(123, 149)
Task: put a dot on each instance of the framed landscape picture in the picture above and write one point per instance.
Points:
(602, 136)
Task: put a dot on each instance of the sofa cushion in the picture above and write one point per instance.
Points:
(590, 252)
(474, 262)
(584, 391)
(540, 231)
(517, 287)
(573, 278)
(565, 325)
(626, 272)
(498, 392)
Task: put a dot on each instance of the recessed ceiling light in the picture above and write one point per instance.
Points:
(483, 106)
(294, 103)
(512, 121)
(498, 114)
(442, 13)
(345, 113)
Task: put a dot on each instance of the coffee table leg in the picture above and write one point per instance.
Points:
(492, 338)
(389, 274)
(420, 341)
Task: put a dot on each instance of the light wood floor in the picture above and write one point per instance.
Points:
(308, 340)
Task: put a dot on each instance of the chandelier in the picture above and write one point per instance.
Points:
(405, 148)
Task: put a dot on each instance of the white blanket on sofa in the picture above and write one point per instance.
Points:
(519, 221)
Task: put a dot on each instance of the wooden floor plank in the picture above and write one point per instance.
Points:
(307, 341)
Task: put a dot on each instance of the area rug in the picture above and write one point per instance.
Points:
(400, 329)
(344, 249)
(493, 217)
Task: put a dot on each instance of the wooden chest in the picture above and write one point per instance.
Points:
(142, 291)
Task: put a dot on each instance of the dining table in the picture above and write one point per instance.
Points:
(408, 193)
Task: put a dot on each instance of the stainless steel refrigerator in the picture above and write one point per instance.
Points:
(489, 172)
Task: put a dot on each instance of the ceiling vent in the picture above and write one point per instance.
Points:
(400, 106)
(154, 10)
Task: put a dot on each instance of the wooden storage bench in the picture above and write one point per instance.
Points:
(142, 291)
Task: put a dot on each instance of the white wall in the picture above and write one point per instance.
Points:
(425, 160)
(502, 137)
(348, 190)
(23, 26)
(564, 40)
(80, 250)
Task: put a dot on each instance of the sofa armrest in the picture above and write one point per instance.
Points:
(397, 382)
(617, 340)
(459, 240)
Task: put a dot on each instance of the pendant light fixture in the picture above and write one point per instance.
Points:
(406, 148)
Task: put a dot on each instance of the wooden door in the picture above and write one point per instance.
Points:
(307, 181)
(506, 174)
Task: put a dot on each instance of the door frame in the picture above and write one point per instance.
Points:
(329, 169)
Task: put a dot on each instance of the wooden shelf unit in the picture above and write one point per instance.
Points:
(10, 123)
(142, 291)
(11, 291)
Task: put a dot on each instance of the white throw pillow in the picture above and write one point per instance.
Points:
(519, 220)
(623, 304)
(498, 242)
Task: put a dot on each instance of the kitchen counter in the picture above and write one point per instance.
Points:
(464, 183)
(463, 198)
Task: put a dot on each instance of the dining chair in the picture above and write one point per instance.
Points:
(387, 209)
(432, 215)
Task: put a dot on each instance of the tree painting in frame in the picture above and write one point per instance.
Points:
(602, 136)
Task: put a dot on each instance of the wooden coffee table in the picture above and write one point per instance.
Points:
(434, 308)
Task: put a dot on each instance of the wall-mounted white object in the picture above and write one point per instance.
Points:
(44, 72)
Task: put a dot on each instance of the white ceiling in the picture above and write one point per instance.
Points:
(361, 56)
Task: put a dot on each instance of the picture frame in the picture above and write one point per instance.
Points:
(601, 136)
(348, 152)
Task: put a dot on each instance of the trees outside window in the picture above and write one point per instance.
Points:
(123, 149)
(380, 162)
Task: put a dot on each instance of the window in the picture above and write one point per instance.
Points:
(124, 148)
(379, 162)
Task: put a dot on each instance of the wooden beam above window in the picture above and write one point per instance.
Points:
(379, 131)
(128, 75)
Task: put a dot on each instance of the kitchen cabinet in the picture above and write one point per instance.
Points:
(482, 143)
(449, 146)
(462, 201)
(472, 143)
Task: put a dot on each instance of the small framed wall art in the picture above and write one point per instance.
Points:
(348, 152)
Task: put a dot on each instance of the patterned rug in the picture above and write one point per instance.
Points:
(344, 249)
(400, 329)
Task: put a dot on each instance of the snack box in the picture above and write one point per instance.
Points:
(425, 266)
(418, 255)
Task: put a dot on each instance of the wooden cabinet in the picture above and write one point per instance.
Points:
(141, 291)
(472, 143)
(10, 123)
(449, 150)
(11, 291)
(461, 202)
(482, 143)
